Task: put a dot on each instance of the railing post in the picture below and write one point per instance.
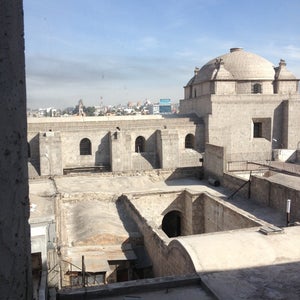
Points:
(83, 271)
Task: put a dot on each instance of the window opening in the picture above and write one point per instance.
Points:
(85, 147)
(257, 129)
(189, 141)
(140, 144)
(256, 88)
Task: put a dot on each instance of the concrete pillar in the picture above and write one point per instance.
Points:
(15, 259)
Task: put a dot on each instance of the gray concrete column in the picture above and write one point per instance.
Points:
(15, 261)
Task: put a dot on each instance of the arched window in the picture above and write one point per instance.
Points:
(256, 88)
(85, 147)
(171, 224)
(189, 141)
(140, 144)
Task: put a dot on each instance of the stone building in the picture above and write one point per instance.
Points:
(248, 107)
(117, 144)
(239, 250)
(237, 108)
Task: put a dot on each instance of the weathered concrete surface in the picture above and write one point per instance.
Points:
(273, 282)
(246, 264)
(15, 270)
(242, 249)
(42, 197)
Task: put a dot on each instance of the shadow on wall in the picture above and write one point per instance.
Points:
(278, 127)
(149, 151)
(34, 153)
(141, 266)
(102, 155)
(184, 173)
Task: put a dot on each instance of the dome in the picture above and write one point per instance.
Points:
(240, 65)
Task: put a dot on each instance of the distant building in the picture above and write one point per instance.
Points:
(163, 107)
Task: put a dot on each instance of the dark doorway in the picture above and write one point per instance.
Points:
(122, 275)
(36, 265)
(171, 224)
(140, 144)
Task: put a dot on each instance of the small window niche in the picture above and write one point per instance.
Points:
(189, 142)
(261, 128)
(256, 88)
(85, 147)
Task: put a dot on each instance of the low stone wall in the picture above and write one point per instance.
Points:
(222, 216)
(275, 195)
(120, 290)
(235, 183)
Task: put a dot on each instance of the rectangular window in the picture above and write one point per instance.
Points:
(261, 128)
(257, 130)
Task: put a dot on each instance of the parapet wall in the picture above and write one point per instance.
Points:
(222, 216)
(267, 192)
(235, 183)
(167, 258)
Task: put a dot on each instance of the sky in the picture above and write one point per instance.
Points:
(110, 52)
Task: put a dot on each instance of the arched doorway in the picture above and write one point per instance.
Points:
(171, 223)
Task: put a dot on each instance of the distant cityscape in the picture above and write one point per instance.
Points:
(163, 106)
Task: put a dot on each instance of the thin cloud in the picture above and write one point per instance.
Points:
(292, 52)
(148, 43)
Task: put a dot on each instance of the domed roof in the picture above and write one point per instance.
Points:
(240, 65)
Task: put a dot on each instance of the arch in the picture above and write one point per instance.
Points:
(171, 223)
(85, 147)
(140, 143)
(189, 142)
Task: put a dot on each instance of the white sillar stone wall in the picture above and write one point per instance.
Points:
(113, 143)
(15, 259)
(231, 125)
